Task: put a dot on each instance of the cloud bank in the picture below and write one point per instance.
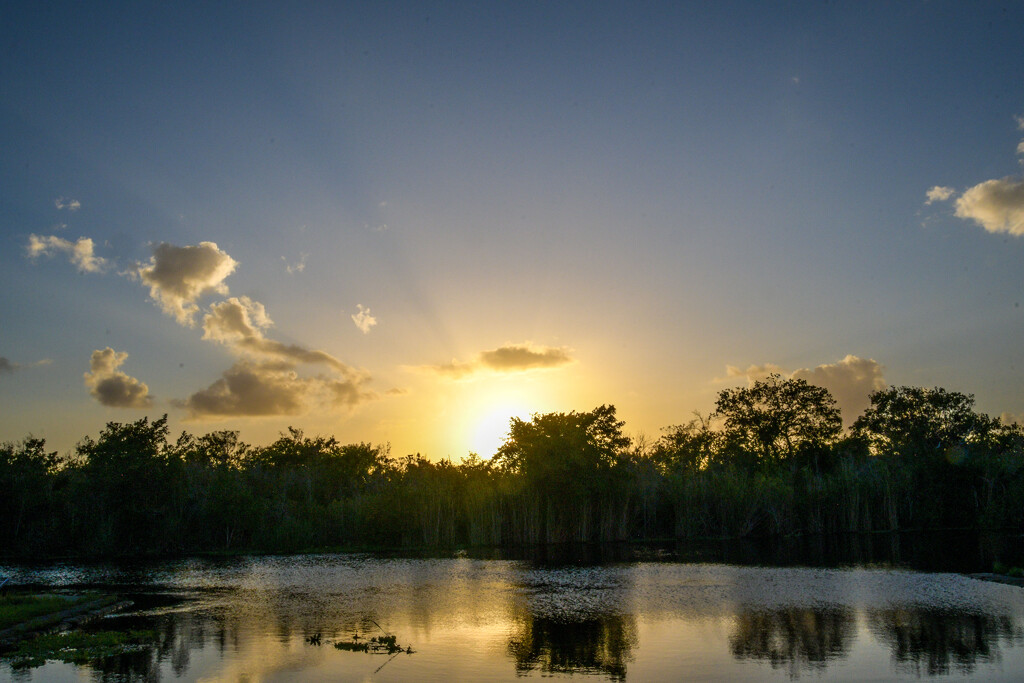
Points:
(850, 380)
(110, 386)
(178, 276)
(508, 358)
(80, 253)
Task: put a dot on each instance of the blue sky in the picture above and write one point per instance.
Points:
(527, 206)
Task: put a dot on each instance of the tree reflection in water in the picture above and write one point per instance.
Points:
(600, 645)
(934, 642)
(795, 638)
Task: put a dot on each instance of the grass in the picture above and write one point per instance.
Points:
(15, 609)
(77, 647)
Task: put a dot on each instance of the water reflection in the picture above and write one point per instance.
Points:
(495, 620)
(601, 645)
(794, 638)
(938, 642)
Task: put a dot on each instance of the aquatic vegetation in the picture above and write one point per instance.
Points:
(15, 608)
(77, 647)
(386, 644)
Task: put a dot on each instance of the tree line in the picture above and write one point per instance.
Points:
(773, 458)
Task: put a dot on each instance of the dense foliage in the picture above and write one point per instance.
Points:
(772, 459)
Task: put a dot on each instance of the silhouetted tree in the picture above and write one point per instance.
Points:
(776, 419)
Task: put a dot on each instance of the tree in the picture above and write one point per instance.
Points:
(568, 464)
(913, 421)
(127, 480)
(556, 450)
(775, 419)
(691, 448)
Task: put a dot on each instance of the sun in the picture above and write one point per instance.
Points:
(490, 425)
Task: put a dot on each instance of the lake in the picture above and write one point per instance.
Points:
(624, 614)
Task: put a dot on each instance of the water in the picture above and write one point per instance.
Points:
(247, 619)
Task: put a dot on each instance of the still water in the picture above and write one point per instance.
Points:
(471, 619)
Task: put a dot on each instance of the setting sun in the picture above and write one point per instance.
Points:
(492, 428)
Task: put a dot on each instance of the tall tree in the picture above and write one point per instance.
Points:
(914, 421)
(775, 418)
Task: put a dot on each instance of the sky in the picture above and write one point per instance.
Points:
(408, 222)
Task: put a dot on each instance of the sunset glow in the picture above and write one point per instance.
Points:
(406, 224)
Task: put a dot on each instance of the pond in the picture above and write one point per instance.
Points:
(476, 619)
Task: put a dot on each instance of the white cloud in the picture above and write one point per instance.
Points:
(508, 358)
(1020, 147)
(298, 266)
(179, 276)
(255, 389)
(939, 194)
(1020, 122)
(850, 380)
(110, 386)
(67, 203)
(363, 320)
(80, 253)
(996, 205)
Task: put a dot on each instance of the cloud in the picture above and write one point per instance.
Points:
(260, 389)
(508, 358)
(296, 267)
(110, 386)
(235, 320)
(239, 323)
(996, 205)
(363, 320)
(850, 380)
(179, 276)
(67, 203)
(1020, 122)
(753, 373)
(80, 253)
(938, 194)
(7, 366)
(1008, 418)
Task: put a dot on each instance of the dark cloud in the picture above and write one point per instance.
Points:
(508, 358)
(110, 386)
(253, 389)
